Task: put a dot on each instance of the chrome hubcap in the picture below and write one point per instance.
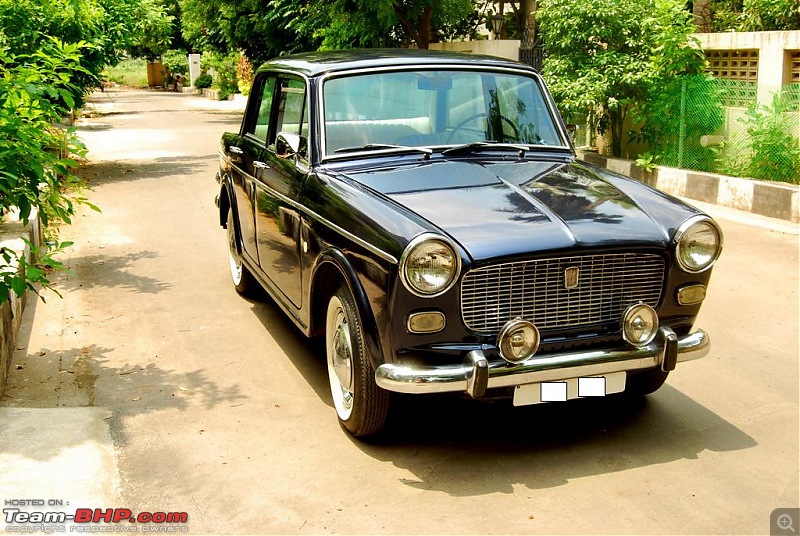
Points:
(340, 359)
(233, 260)
(341, 353)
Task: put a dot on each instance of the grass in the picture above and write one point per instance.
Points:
(131, 73)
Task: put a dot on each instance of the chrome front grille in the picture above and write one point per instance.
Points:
(536, 290)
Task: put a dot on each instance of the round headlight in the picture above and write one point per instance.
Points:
(429, 266)
(639, 324)
(698, 244)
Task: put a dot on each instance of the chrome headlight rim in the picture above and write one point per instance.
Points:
(681, 232)
(414, 243)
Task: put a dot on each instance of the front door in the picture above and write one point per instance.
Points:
(279, 181)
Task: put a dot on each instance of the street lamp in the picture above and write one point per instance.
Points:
(496, 21)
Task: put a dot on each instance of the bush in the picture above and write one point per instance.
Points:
(36, 158)
(203, 81)
(224, 67)
(775, 154)
(175, 61)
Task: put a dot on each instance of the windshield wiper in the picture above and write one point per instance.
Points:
(379, 146)
(493, 145)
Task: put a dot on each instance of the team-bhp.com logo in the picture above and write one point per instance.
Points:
(96, 515)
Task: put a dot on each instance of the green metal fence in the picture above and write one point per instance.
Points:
(722, 126)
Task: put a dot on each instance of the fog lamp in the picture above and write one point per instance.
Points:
(639, 324)
(518, 340)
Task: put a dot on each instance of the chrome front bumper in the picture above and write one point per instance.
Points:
(476, 374)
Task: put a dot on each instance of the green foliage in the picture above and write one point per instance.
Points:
(128, 72)
(279, 27)
(605, 56)
(152, 30)
(755, 15)
(647, 161)
(224, 66)
(598, 58)
(17, 274)
(676, 115)
(203, 81)
(36, 158)
(175, 61)
(774, 152)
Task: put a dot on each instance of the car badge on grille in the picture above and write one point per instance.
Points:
(571, 277)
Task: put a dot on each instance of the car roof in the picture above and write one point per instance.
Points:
(318, 63)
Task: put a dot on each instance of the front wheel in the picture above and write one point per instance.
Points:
(361, 406)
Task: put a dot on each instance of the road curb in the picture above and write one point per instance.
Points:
(775, 200)
(13, 233)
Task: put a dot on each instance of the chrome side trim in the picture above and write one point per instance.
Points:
(330, 225)
(540, 368)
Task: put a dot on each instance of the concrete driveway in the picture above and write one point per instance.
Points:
(192, 399)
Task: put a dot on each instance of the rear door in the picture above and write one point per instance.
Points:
(247, 156)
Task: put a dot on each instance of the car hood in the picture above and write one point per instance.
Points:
(508, 208)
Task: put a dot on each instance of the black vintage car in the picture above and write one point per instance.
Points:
(426, 214)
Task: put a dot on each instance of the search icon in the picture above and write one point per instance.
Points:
(785, 522)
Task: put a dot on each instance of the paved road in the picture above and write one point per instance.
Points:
(218, 407)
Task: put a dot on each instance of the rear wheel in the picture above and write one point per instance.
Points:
(361, 406)
(243, 281)
(645, 383)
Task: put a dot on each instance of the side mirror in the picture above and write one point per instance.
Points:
(572, 131)
(290, 145)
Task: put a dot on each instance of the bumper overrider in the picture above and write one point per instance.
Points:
(477, 374)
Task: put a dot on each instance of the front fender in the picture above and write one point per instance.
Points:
(332, 264)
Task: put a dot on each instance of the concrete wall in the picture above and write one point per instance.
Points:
(774, 66)
(503, 48)
(12, 232)
(776, 200)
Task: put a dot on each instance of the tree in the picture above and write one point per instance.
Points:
(265, 30)
(755, 15)
(420, 22)
(152, 30)
(605, 56)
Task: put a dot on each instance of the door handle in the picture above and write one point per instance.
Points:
(236, 154)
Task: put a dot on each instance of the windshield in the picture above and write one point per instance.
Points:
(428, 108)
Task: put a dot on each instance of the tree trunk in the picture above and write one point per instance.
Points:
(616, 124)
(421, 34)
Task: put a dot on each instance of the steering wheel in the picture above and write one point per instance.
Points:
(473, 117)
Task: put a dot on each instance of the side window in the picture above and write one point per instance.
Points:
(290, 109)
(259, 125)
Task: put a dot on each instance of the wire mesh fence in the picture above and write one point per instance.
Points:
(721, 126)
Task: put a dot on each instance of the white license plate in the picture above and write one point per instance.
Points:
(563, 390)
